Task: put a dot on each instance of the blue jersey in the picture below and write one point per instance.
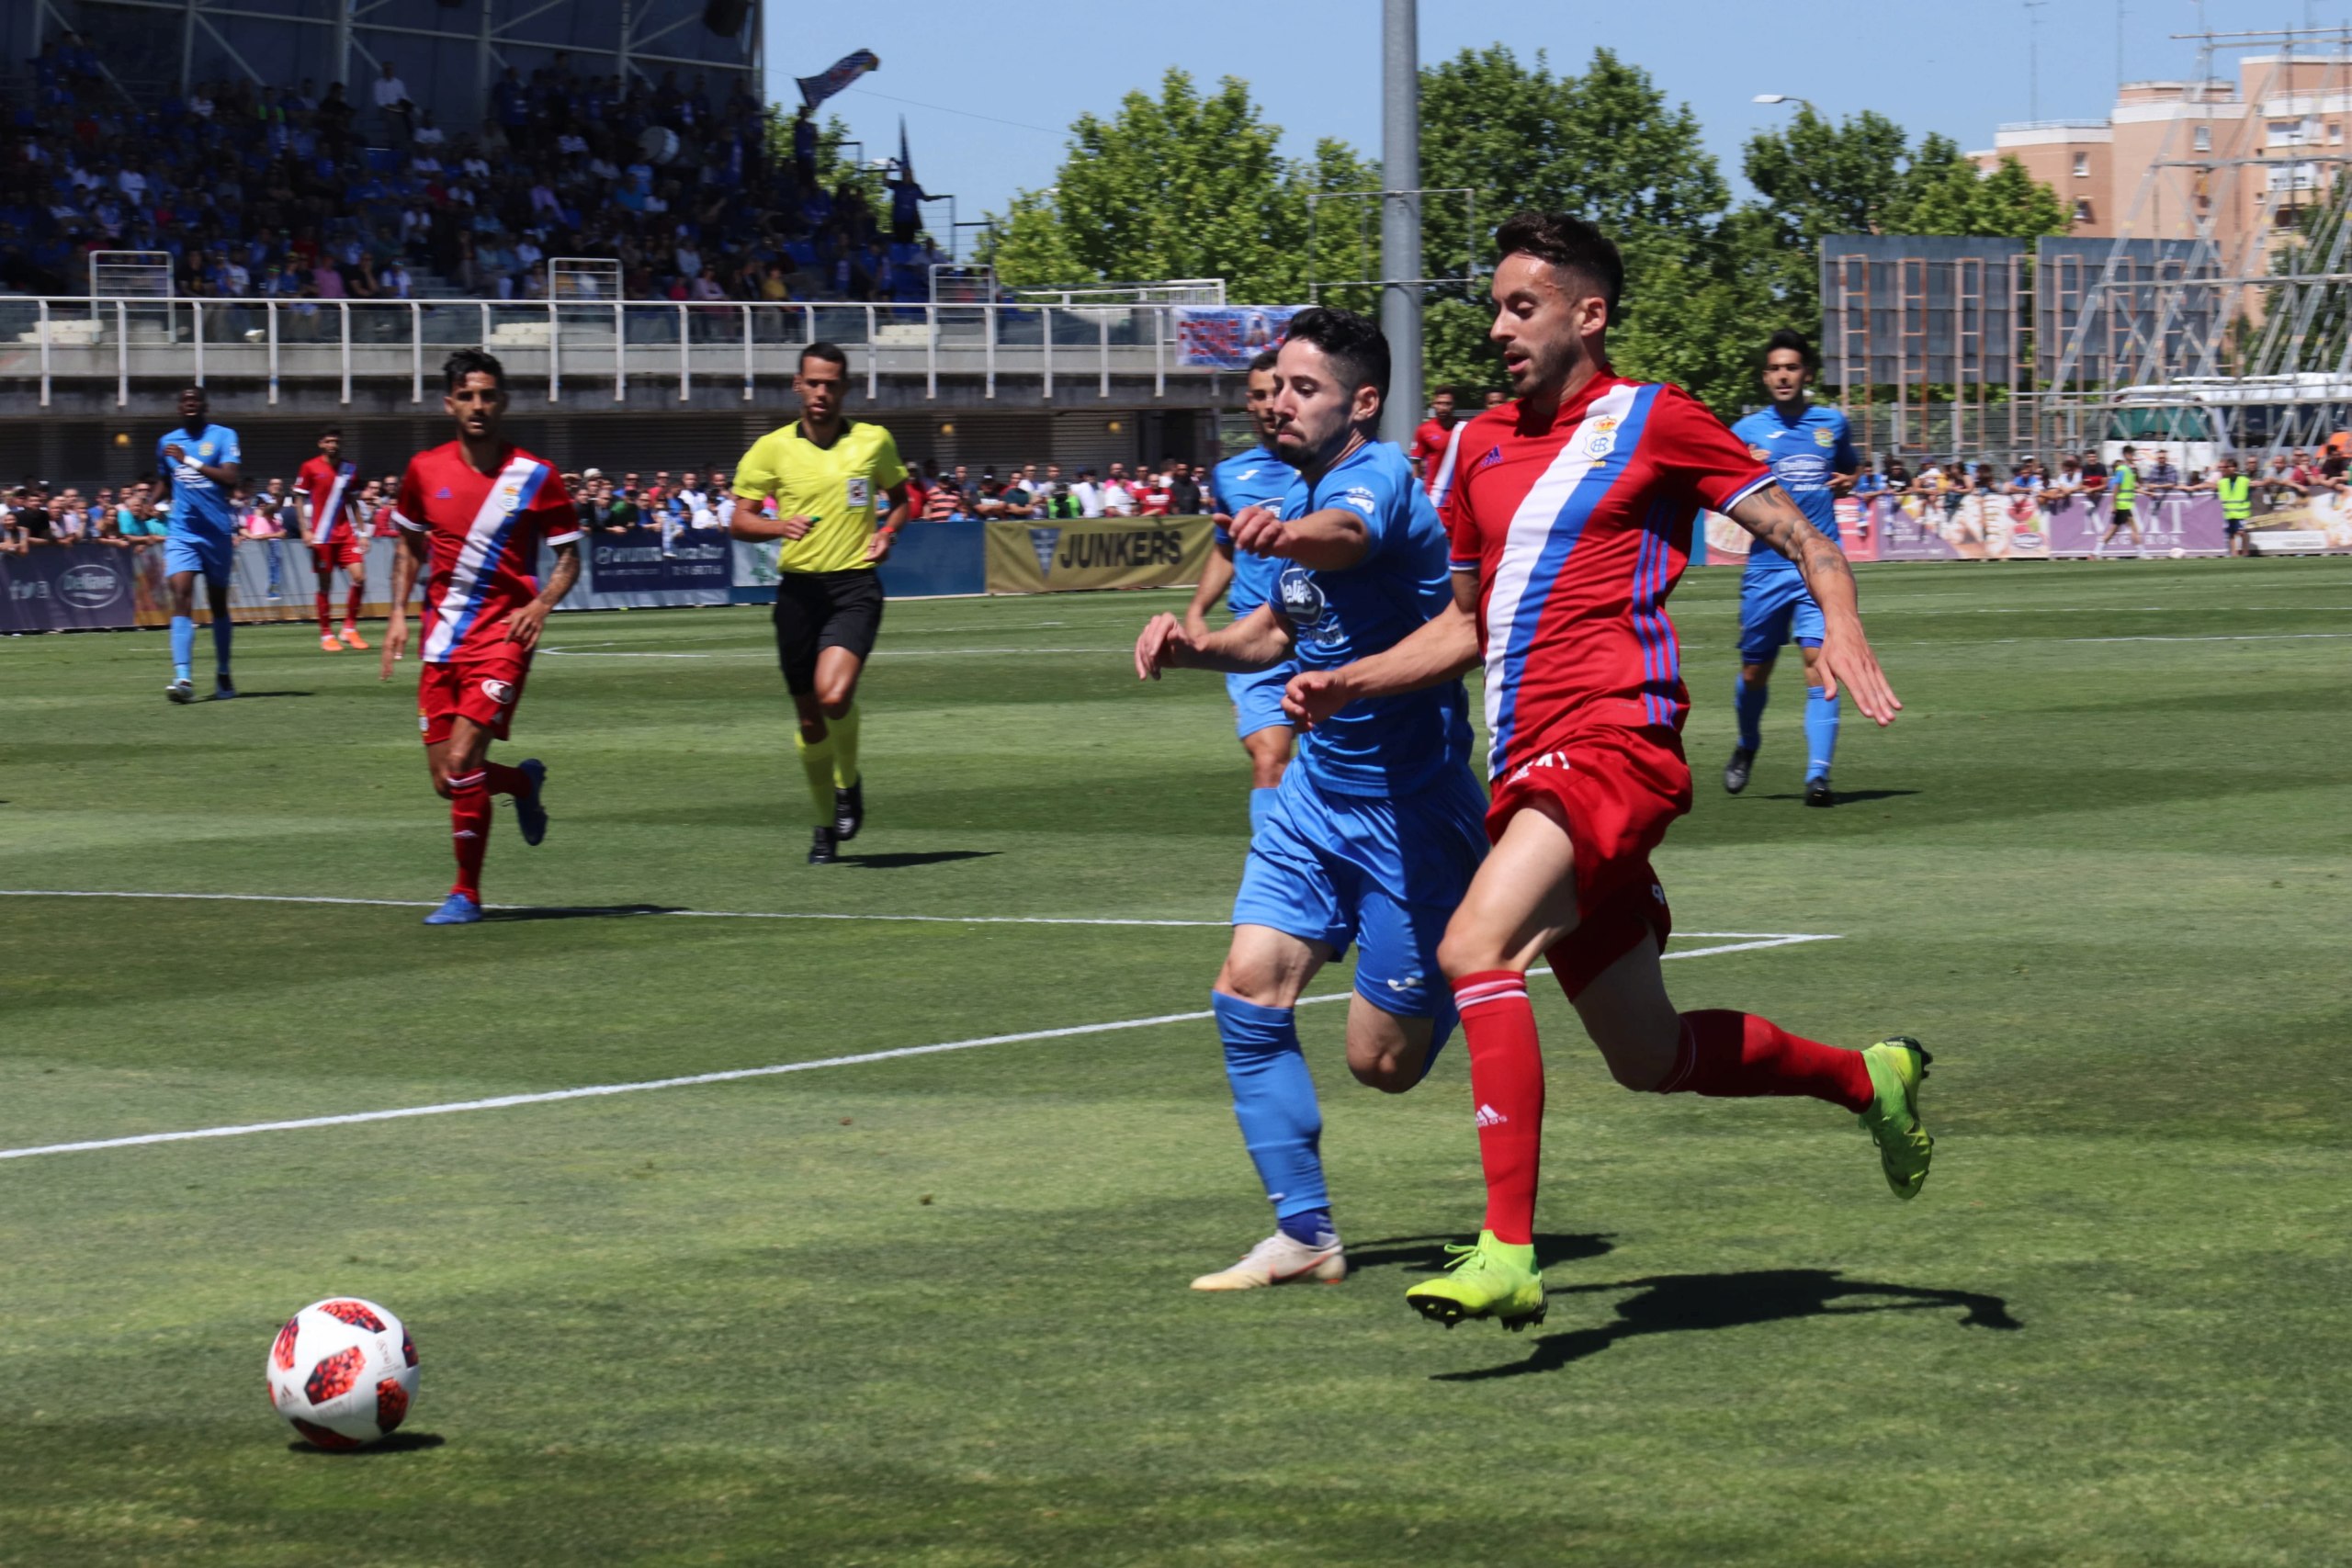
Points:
(1255, 477)
(199, 506)
(1803, 454)
(1384, 746)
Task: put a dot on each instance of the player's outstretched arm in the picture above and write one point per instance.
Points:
(1846, 656)
(406, 558)
(1260, 640)
(1331, 540)
(1440, 650)
(1215, 578)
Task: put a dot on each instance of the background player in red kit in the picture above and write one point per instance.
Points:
(329, 496)
(1571, 513)
(479, 508)
(1430, 436)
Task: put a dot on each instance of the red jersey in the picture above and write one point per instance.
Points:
(1578, 532)
(486, 530)
(1428, 445)
(1153, 500)
(331, 499)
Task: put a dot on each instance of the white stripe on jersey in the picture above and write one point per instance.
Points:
(1441, 482)
(1531, 530)
(450, 616)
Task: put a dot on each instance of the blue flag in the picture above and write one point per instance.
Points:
(815, 90)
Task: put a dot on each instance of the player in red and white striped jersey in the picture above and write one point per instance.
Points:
(479, 508)
(1571, 513)
(338, 539)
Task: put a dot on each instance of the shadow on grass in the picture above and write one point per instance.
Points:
(1854, 796)
(915, 857)
(577, 911)
(1427, 1255)
(258, 696)
(1673, 1304)
(397, 1443)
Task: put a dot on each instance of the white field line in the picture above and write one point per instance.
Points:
(1775, 938)
(590, 1091)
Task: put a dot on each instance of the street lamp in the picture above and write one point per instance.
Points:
(1787, 98)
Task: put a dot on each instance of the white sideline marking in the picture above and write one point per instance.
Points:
(1777, 938)
(545, 1097)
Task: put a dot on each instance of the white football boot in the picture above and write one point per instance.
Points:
(1279, 1260)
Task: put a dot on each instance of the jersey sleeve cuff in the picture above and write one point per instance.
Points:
(1743, 492)
(563, 538)
(1459, 565)
(400, 520)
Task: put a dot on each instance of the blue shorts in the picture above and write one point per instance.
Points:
(1382, 874)
(1773, 609)
(199, 552)
(1258, 699)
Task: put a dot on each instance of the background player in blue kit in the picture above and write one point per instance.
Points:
(1813, 456)
(1256, 477)
(1374, 832)
(199, 467)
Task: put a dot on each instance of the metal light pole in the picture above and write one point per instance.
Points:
(1400, 216)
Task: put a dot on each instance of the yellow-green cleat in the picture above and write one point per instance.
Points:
(1897, 1066)
(1487, 1279)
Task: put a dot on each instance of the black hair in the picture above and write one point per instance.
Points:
(1789, 337)
(333, 429)
(831, 353)
(1569, 242)
(472, 361)
(1355, 346)
(1264, 359)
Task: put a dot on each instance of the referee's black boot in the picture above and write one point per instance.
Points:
(820, 849)
(849, 811)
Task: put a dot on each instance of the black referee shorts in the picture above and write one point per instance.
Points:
(817, 610)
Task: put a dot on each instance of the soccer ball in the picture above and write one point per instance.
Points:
(342, 1372)
(2177, 553)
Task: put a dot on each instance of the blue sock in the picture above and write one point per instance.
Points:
(1274, 1099)
(183, 645)
(222, 628)
(1820, 732)
(1261, 801)
(1748, 705)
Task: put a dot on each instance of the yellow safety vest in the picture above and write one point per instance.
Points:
(2237, 497)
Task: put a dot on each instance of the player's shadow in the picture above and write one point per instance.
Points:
(1427, 1254)
(397, 1443)
(895, 860)
(258, 696)
(1854, 796)
(577, 911)
(1674, 1303)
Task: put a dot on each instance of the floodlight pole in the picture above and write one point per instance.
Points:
(1400, 216)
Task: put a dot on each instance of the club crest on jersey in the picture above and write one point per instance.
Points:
(1825, 438)
(500, 692)
(1761, 454)
(1305, 607)
(1600, 437)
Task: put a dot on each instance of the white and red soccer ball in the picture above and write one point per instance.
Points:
(342, 1372)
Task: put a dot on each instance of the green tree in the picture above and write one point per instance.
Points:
(1606, 144)
(1949, 195)
(1185, 184)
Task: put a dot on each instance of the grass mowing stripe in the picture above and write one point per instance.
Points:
(689, 1080)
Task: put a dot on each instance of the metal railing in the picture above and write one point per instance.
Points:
(78, 340)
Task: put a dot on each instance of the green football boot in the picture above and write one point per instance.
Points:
(1897, 1066)
(1487, 1279)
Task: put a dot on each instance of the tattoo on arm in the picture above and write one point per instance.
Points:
(1776, 520)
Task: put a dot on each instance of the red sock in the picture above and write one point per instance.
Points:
(1507, 1081)
(350, 606)
(325, 611)
(504, 779)
(469, 830)
(1738, 1053)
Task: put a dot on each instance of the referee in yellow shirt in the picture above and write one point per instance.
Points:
(833, 477)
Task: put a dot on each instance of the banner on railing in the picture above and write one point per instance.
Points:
(630, 569)
(1980, 527)
(1228, 337)
(1097, 552)
(56, 588)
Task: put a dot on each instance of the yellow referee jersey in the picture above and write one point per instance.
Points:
(844, 486)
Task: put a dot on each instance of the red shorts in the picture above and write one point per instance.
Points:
(486, 688)
(1616, 789)
(345, 553)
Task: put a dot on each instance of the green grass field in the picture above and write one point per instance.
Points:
(931, 1309)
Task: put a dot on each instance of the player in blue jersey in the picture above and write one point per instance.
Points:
(1256, 477)
(200, 465)
(1812, 454)
(1376, 830)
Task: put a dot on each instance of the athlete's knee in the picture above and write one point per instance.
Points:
(1390, 1073)
(836, 706)
(1756, 674)
(1268, 764)
(1464, 951)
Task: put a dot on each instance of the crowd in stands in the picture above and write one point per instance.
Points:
(2289, 477)
(261, 191)
(1170, 488)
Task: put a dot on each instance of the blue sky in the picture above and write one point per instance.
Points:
(987, 90)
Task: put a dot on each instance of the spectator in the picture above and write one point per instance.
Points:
(1154, 495)
(1118, 493)
(1086, 495)
(392, 105)
(1184, 490)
